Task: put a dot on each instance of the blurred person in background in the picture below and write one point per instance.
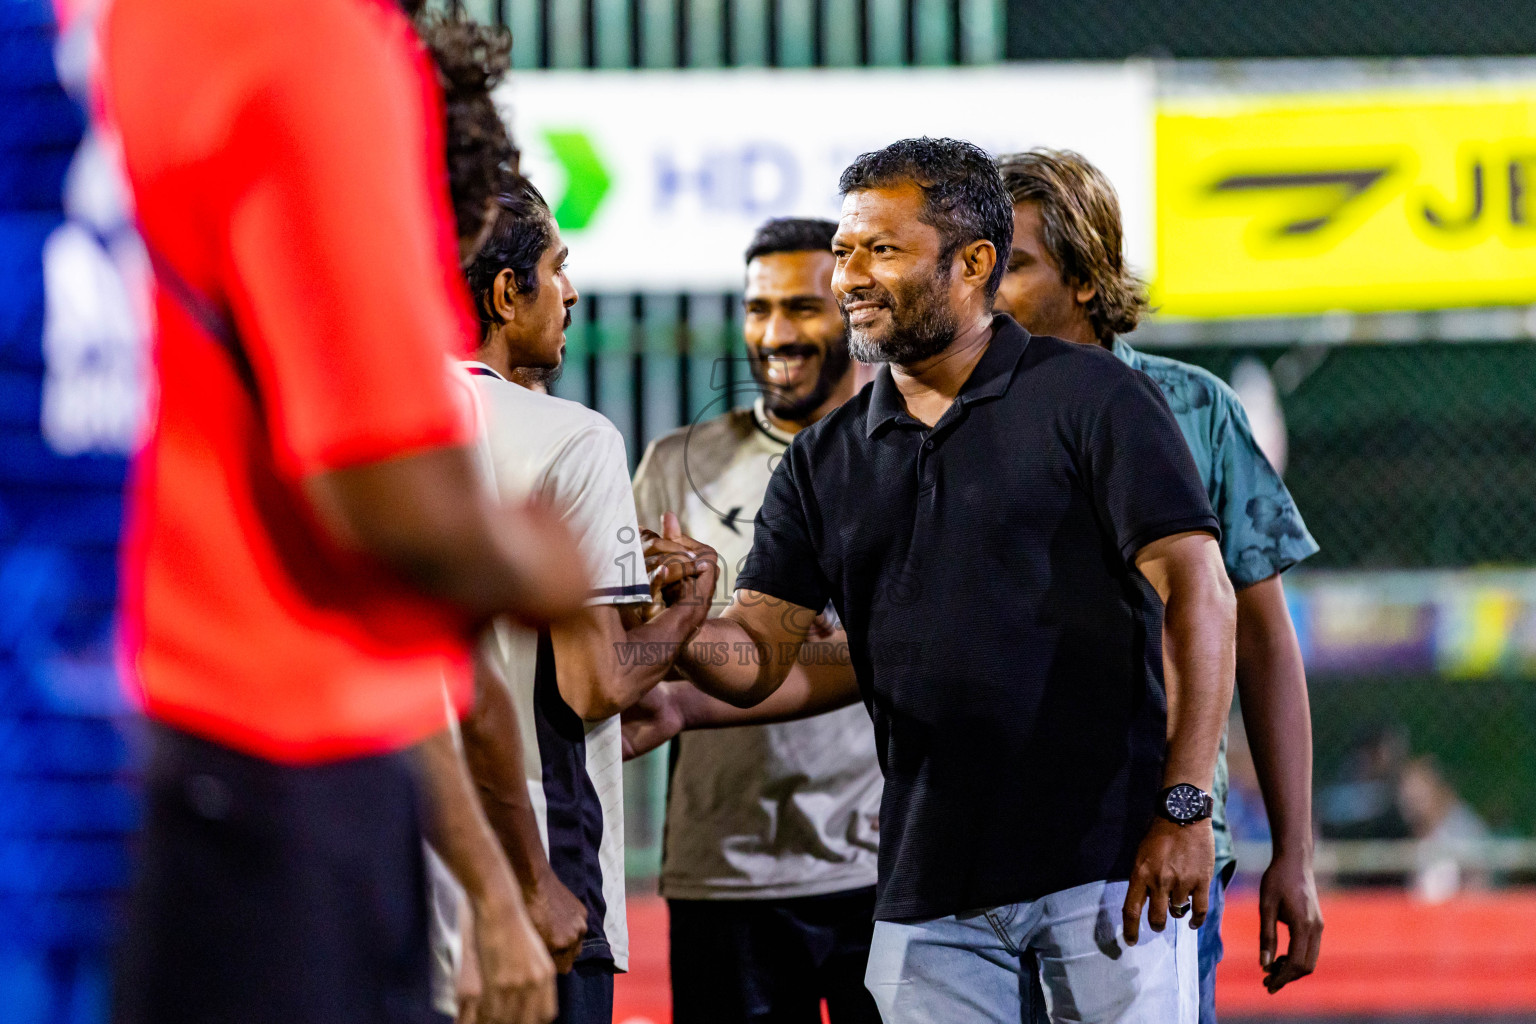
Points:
(772, 833)
(1066, 277)
(1449, 831)
(994, 610)
(569, 682)
(310, 551)
(1361, 801)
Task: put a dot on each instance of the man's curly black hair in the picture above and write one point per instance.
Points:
(471, 59)
(963, 195)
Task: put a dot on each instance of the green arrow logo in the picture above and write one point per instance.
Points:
(586, 179)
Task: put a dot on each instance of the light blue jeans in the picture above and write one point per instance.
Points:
(1061, 958)
(1210, 943)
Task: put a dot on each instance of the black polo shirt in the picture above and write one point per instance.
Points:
(1008, 652)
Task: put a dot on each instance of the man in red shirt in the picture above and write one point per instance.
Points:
(309, 549)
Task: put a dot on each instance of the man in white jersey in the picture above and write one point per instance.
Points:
(772, 830)
(569, 682)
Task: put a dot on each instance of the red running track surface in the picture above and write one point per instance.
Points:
(1383, 953)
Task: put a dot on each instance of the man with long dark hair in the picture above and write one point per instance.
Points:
(1067, 277)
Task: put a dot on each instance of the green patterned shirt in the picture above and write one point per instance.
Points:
(1262, 533)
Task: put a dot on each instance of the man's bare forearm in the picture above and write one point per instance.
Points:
(1198, 659)
(426, 517)
(605, 668)
(457, 828)
(729, 660)
(1272, 685)
(493, 749)
(821, 681)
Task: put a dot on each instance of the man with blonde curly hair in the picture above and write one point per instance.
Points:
(1067, 277)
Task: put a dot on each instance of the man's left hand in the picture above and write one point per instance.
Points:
(1172, 874)
(652, 720)
(559, 918)
(1288, 893)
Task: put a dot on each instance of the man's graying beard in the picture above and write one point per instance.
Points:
(922, 322)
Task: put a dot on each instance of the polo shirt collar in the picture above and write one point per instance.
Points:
(989, 379)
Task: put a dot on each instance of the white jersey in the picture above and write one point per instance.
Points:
(574, 459)
(759, 811)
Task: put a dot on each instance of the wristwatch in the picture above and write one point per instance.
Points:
(1184, 804)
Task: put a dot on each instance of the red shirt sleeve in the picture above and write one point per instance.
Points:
(341, 278)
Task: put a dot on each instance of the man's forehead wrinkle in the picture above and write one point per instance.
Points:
(867, 236)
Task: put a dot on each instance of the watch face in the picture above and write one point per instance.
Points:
(1185, 802)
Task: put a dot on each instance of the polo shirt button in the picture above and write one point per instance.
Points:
(928, 445)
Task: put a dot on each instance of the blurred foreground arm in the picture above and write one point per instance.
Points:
(517, 974)
(427, 517)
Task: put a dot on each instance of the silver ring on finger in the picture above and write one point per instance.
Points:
(1182, 909)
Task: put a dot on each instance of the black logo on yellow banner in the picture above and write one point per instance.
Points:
(1342, 187)
(1326, 203)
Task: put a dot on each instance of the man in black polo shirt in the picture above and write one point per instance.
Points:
(1017, 542)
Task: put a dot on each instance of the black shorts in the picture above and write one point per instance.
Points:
(772, 961)
(275, 894)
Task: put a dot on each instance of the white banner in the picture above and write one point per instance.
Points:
(659, 178)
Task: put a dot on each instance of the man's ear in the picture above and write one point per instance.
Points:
(504, 295)
(1083, 293)
(977, 261)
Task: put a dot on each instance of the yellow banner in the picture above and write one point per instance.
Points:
(1313, 203)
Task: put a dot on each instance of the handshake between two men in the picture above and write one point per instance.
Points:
(765, 659)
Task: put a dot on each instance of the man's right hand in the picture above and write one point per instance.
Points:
(671, 559)
(1171, 877)
(559, 918)
(517, 973)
